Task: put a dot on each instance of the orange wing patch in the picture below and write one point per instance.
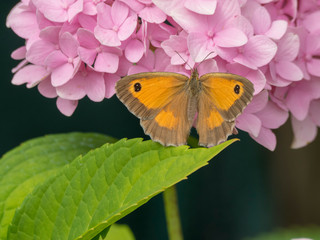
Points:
(214, 119)
(224, 92)
(167, 119)
(154, 92)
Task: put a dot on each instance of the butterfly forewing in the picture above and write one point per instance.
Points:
(145, 94)
(229, 93)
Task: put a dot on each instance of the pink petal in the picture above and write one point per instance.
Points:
(134, 50)
(42, 21)
(87, 22)
(86, 39)
(161, 60)
(198, 46)
(89, 8)
(147, 61)
(258, 102)
(168, 6)
(55, 59)
(19, 66)
(62, 74)
(107, 37)
(46, 89)
(119, 12)
(135, 5)
(138, 69)
(289, 71)
(69, 45)
(312, 45)
(95, 86)
(313, 67)
(19, 53)
(225, 11)
(39, 51)
(311, 21)
(106, 62)
(30, 74)
(74, 9)
(190, 21)
(304, 132)
(22, 21)
(230, 37)
(298, 101)
(260, 18)
(249, 123)
(50, 34)
(152, 14)
(73, 89)
(110, 81)
(205, 7)
(288, 47)
(104, 18)
(66, 107)
(124, 66)
(314, 111)
(266, 138)
(87, 55)
(53, 10)
(127, 28)
(277, 29)
(272, 116)
(208, 66)
(257, 52)
(227, 54)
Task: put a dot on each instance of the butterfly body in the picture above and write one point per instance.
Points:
(167, 104)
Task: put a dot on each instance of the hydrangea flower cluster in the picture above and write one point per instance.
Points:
(78, 48)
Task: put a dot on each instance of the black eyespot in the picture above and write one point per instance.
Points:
(237, 89)
(137, 87)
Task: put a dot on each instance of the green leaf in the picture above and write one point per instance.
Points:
(96, 190)
(120, 232)
(311, 232)
(33, 162)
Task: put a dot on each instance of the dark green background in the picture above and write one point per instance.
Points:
(246, 190)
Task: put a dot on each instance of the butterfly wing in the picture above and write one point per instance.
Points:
(160, 101)
(229, 93)
(222, 98)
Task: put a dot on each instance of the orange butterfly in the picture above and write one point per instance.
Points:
(167, 103)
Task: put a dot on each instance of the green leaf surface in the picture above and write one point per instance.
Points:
(311, 232)
(96, 190)
(120, 232)
(33, 162)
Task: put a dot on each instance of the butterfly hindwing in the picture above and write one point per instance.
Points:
(171, 126)
(211, 126)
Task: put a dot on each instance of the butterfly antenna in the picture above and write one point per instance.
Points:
(205, 58)
(184, 60)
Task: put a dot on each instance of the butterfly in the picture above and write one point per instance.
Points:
(167, 104)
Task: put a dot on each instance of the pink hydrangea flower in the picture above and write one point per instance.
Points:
(80, 48)
(114, 23)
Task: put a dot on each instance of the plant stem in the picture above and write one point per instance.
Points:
(172, 214)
